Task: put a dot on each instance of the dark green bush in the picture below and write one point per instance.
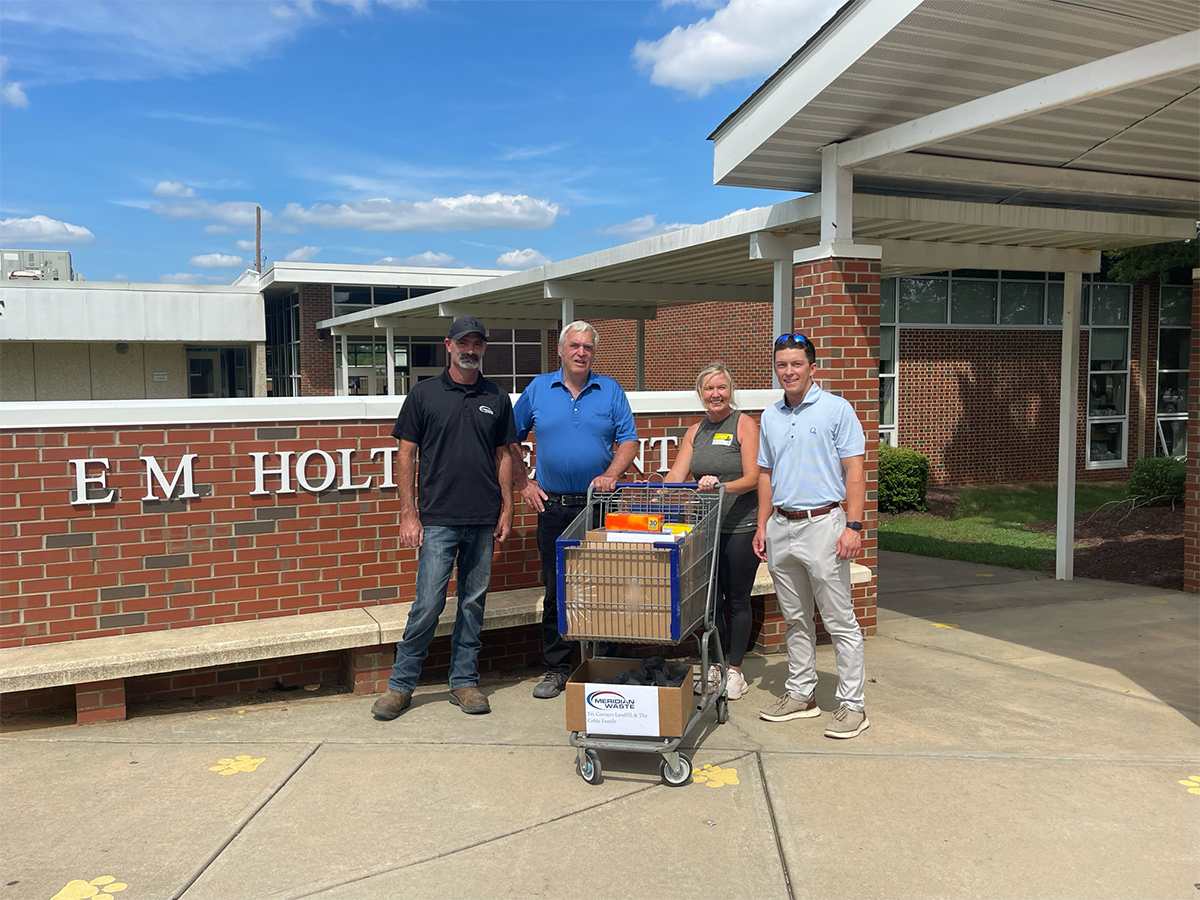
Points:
(903, 477)
(1157, 479)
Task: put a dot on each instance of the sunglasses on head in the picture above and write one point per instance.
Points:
(784, 338)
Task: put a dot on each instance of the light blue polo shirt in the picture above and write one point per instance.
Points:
(804, 446)
(575, 435)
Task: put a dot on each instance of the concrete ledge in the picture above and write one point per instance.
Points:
(147, 653)
(505, 609)
(764, 585)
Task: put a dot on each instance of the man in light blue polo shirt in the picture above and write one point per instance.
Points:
(576, 417)
(810, 450)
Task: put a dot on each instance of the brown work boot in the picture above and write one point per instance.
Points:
(470, 700)
(391, 704)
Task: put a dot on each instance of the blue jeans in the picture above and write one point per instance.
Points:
(471, 545)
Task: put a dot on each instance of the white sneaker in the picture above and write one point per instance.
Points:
(735, 685)
(714, 681)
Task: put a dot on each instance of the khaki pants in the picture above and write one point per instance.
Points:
(802, 559)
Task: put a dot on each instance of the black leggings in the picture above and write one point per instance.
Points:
(737, 566)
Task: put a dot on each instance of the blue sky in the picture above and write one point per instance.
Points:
(140, 135)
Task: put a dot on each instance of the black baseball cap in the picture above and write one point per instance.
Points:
(464, 325)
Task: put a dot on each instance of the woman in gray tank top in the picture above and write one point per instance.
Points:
(722, 448)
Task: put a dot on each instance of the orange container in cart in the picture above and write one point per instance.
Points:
(633, 522)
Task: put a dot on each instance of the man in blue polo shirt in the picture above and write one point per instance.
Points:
(811, 450)
(462, 426)
(576, 417)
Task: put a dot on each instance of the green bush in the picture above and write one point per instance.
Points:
(903, 477)
(1157, 479)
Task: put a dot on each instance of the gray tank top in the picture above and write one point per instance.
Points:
(717, 451)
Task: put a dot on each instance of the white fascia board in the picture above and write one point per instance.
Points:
(78, 414)
(1142, 65)
(932, 255)
(963, 212)
(679, 293)
(764, 218)
(373, 276)
(792, 91)
(1020, 176)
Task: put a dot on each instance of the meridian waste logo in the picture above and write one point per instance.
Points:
(609, 701)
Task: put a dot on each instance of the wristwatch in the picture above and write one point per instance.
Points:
(856, 526)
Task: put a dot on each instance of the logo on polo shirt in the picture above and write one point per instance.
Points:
(487, 409)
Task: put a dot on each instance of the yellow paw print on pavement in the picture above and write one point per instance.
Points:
(101, 888)
(1192, 784)
(241, 763)
(715, 776)
(945, 625)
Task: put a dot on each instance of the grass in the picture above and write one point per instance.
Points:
(991, 523)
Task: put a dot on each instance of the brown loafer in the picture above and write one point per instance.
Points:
(391, 704)
(470, 700)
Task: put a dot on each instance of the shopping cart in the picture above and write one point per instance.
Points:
(649, 592)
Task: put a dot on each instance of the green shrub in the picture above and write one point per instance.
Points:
(903, 477)
(1157, 479)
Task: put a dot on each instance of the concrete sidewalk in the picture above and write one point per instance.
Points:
(1028, 740)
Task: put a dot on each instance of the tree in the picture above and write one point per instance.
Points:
(1152, 260)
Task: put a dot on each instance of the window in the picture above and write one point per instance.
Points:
(283, 345)
(1174, 357)
(514, 357)
(1108, 376)
(923, 300)
(887, 385)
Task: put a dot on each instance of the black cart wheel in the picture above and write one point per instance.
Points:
(722, 710)
(588, 767)
(676, 777)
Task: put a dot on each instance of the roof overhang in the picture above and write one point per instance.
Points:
(286, 275)
(733, 259)
(117, 311)
(1089, 104)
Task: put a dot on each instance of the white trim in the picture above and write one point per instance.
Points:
(838, 251)
(1068, 427)
(80, 414)
(683, 293)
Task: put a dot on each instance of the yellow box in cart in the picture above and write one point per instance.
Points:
(598, 707)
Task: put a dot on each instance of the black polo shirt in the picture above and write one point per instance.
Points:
(457, 428)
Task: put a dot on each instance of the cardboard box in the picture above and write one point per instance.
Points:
(597, 707)
(618, 591)
(633, 522)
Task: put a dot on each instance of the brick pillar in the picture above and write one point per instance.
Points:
(100, 701)
(837, 307)
(316, 357)
(366, 670)
(1191, 501)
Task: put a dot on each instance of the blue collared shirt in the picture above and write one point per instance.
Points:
(575, 435)
(804, 446)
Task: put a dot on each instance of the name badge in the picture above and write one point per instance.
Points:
(722, 440)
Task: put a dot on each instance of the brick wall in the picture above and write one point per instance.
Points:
(684, 339)
(316, 357)
(837, 306)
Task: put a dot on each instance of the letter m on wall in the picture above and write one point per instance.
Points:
(154, 474)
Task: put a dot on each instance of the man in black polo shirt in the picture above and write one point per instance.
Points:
(462, 424)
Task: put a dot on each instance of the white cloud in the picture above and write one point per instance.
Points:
(120, 276)
(217, 261)
(238, 213)
(745, 38)
(302, 254)
(11, 92)
(42, 230)
(173, 189)
(466, 213)
(62, 41)
(245, 245)
(428, 258)
(642, 227)
(522, 259)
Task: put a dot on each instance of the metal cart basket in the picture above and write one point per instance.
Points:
(659, 589)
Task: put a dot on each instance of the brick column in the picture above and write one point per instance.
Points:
(1191, 502)
(100, 701)
(365, 670)
(316, 357)
(837, 307)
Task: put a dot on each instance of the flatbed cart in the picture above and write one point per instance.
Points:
(648, 592)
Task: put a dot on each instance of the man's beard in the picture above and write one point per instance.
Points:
(468, 361)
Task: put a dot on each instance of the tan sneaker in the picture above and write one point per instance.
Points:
(847, 723)
(391, 704)
(785, 709)
(470, 700)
